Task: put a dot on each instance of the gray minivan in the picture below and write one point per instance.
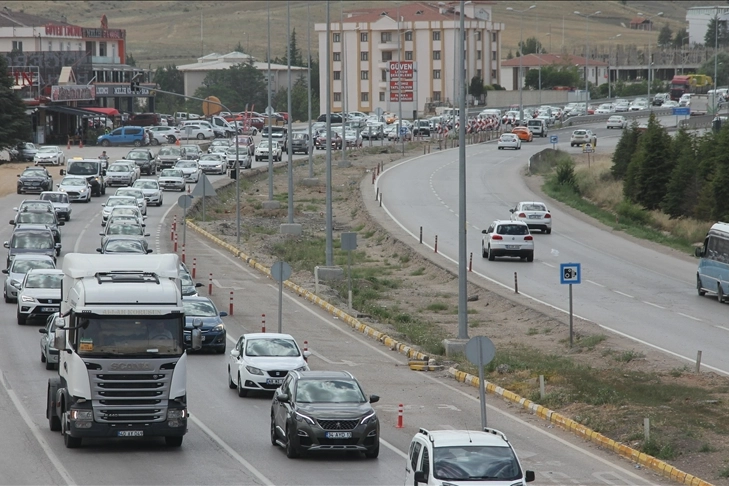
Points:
(537, 126)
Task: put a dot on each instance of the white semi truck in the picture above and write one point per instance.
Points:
(122, 361)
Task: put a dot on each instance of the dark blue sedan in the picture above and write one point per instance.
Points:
(213, 328)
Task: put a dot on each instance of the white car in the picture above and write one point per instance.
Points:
(617, 121)
(583, 136)
(113, 202)
(670, 104)
(507, 238)
(197, 131)
(244, 160)
(219, 146)
(213, 164)
(509, 140)
(49, 354)
(605, 109)
(136, 193)
(151, 190)
(190, 170)
(162, 134)
(132, 212)
(61, 203)
(77, 188)
(121, 174)
(49, 154)
(639, 104)
(171, 179)
(40, 294)
(621, 105)
(261, 361)
(262, 151)
(534, 214)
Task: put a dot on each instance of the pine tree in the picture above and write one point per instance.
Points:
(624, 151)
(14, 122)
(655, 165)
(665, 36)
(684, 188)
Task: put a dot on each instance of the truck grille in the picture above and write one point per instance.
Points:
(130, 397)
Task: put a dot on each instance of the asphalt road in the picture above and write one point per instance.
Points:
(228, 440)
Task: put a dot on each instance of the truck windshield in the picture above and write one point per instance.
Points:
(129, 336)
(83, 168)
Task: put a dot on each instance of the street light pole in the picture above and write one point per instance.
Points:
(399, 83)
(310, 150)
(521, 56)
(329, 251)
(650, 104)
(290, 154)
(587, 52)
(462, 221)
(610, 53)
(269, 108)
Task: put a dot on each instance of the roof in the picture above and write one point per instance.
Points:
(78, 265)
(318, 374)
(535, 60)
(640, 20)
(448, 438)
(267, 335)
(417, 11)
(9, 18)
(227, 64)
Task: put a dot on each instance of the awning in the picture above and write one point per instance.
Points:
(103, 111)
(69, 110)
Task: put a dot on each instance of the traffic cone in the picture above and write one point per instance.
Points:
(80, 144)
(68, 146)
(177, 142)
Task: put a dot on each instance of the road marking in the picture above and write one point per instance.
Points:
(36, 432)
(690, 317)
(323, 358)
(654, 305)
(595, 283)
(547, 264)
(722, 327)
(623, 294)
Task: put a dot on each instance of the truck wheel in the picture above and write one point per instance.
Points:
(175, 441)
(54, 423)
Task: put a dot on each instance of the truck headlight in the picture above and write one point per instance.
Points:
(176, 414)
(82, 415)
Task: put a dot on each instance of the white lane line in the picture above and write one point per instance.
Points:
(393, 448)
(81, 235)
(36, 432)
(232, 452)
(722, 327)
(690, 317)
(654, 305)
(595, 283)
(548, 264)
(623, 294)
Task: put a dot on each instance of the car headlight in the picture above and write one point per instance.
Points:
(306, 418)
(253, 370)
(303, 368)
(26, 298)
(369, 418)
(219, 328)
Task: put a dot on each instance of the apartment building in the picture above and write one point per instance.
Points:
(407, 54)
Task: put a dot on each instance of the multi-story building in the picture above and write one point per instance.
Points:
(407, 52)
(698, 19)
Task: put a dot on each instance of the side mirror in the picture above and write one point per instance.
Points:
(282, 397)
(12, 221)
(99, 250)
(198, 285)
(102, 233)
(60, 223)
(307, 353)
(59, 339)
(484, 232)
(63, 172)
(223, 314)
(146, 234)
(17, 175)
(58, 246)
(512, 210)
(43, 330)
(374, 398)
(529, 476)
(420, 477)
(6, 244)
(196, 341)
(6, 271)
(699, 252)
(149, 250)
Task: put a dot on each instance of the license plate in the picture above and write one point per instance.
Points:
(274, 381)
(49, 309)
(512, 247)
(534, 216)
(130, 433)
(339, 435)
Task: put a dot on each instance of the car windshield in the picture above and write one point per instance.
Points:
(169, 151)
(29, 217)
(34, 173)
(48, 150)
(186, 164)
(124, 246)
(210, 158)
(83, 168)
(474, 463)
(57, 197)
(135, 193)
(24, 266)
(512, 229)
(271, 347)
(32, 241)
(533, 207)
(146, 184)
(44, 281)
(199, 308)
(580, 132)
(122, 201)
(137, 156)
(119, 168)
(124, 211)
(125, 229)
(73, 181)
(170, 173)
(328, 391)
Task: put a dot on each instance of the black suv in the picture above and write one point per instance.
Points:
(324, 411)
(145, 160)
(31, 239)
(35, 179)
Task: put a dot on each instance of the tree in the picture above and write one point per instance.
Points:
(665, 36)
(239, 48)
(296, 57)
(722, 66)
(299, 101)
(685, 185)
(681, 38)
(14, 123)
(509, 55)
(553, 75)
(531, 46)
(169, 78)
(651, 166)
(624, 151)
(476, 88)
(131, 61)
(236, 87)
(711, 31)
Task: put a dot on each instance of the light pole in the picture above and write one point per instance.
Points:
(683, 54)
(521, 56)
(539, 56)
(343, 162)
(610, 53)
(462, 221)
(649, 57)
(290, 158)
(587, 52)
(329, 250)
(269, 112)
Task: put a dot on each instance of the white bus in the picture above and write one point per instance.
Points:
(713, 272)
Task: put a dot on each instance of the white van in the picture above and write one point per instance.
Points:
(538, 126)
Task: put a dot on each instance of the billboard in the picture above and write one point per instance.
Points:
(73, 92)
(401, 84)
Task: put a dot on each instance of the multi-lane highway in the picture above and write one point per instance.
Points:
(228, 442)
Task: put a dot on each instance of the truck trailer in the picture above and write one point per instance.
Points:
(122, 360)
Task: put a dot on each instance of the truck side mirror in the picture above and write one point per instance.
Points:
(63, 172)
(59, 339)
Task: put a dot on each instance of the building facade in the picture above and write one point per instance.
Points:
(386, 57)
(698, 19)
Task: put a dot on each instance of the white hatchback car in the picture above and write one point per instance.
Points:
(507, 238)
(534, 214)
(583, 136)
(509, 140)
(617, 121)
(261, 361)
(40, 294)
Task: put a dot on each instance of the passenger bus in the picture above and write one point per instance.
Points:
(713, 272)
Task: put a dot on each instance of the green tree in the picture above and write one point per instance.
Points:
(554, 75)
(130, 60)
(476, 88)
(509, 55)
(722, 66)
(651, 166)
(236, 87)
(665, 36)
(624, 151)
(531, 46)
(299, 101)
(684, 188)
(296, 57)
(169, 78)
(14, 122)
(680, 39)
(711, 33)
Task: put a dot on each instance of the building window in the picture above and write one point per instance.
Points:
(17, 46)
(384, 75)
(386, 37)
(337, 75)
(102, 49)
(387, 55)
(478, 36)
(408, 55)
(364, 56)
(363, 36)
(493, 36)
(436, 73)
(409, 35)
(436, 95)
(336, 36)
(337, 96)
(478, 55)
(382, 96)
(336, 56)
(436, 55)
(436, 35)
(364, 75)
(493, 56)
(364, 97)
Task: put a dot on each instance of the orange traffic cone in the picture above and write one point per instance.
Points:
(188, 188)
(177, 142)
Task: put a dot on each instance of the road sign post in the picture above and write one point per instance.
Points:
(349, 243)
(280, 271)
(570, 273)
(480, 350)
(184, 201)
(203, 188)
(553, 139)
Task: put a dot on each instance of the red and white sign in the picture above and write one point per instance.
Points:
(401, 84)
(401, 69)
(406, 96)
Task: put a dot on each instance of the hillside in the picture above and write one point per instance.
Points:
(162, 32)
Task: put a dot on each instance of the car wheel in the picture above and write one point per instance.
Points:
(105, 143)
(374, 452)
(242, 392)
(491, 254)
(50, 366)
(699, 288)
(530, 257)
(20, 192)
(548, 231)
(231, 385)
(22, 318)
(155, 141)
(274, 438)
(137, 143)
(483, 252)
(43, 357)
(719, 293)
(200, 136)
(291, 451)
(5, 295)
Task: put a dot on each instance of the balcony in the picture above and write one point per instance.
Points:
(105, 60)
(387, 46)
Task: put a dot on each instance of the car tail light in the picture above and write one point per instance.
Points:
(521, 215)
(497, 237)
(528, 238)
(547, 216)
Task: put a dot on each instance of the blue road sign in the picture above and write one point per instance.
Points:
(683, 110)
(553, 139)
(570, 273)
